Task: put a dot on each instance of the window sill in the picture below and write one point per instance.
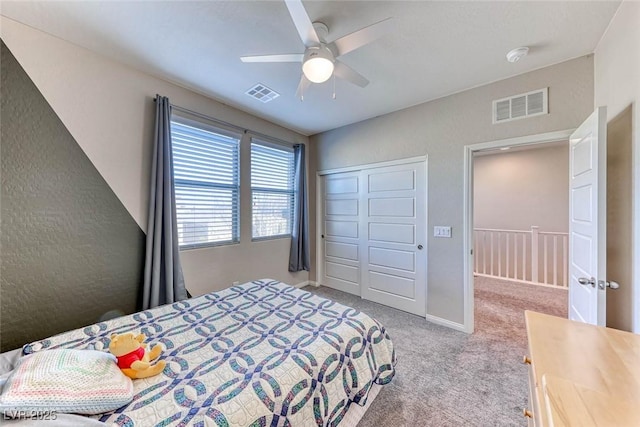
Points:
(267, 238)
(207, 245)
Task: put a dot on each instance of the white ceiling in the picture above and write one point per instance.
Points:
(436, 48)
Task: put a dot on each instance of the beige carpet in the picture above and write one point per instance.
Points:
(449, 378)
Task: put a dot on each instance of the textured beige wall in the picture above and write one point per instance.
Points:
(108, 108)
(617, 86)
(441, 129)
(514, 190)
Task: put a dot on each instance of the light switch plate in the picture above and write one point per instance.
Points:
(441, 231)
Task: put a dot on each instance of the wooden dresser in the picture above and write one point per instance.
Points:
(581, 375)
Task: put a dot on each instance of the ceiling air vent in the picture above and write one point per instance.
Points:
(262, 93)
(520, 106)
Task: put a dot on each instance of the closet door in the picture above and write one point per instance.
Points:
(393, 243)
(341, 231)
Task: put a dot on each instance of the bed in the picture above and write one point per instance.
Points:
(258, 354)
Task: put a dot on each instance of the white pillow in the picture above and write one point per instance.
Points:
(65, 381)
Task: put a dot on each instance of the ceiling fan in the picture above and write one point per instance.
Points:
(319, 60)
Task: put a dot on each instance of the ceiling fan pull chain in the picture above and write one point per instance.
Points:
(334, 85)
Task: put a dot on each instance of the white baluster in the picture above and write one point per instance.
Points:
(565, 254)
(507, 252)
(534, 253)
(555, 260)
(515, 255)
(484, 253)
(524, 256)
(544, 255)
(499, 254)
(491, 253)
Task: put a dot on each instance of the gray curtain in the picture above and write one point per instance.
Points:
(299, 254)
(163, 280)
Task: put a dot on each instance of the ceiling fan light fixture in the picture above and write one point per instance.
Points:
(317, 65)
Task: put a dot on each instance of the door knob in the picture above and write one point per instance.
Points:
(585, 281)
(603, 284)
(420, 247)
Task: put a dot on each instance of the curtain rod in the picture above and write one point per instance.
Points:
(231, 125)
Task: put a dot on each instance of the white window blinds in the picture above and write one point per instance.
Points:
(272, 175)
(206, 179)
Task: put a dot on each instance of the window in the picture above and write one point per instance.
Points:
(206, 179)
(272, 175)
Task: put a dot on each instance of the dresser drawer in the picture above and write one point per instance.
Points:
(533, 405)
(532, 412)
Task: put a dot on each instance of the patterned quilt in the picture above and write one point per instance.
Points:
(259, 354)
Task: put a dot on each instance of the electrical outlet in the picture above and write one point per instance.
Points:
(441, 231)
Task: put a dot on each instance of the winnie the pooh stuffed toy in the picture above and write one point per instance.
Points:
(133, 359)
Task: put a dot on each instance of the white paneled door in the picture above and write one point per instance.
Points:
(394, 237)
(341, 232)
(587, 225)
(374, 234)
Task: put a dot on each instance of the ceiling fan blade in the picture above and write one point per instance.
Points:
(361, 37)
(302, 86)
(347, 73)
(290, 57)
(303, 23)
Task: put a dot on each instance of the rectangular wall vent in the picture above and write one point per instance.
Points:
(262, 93)
(520, 106)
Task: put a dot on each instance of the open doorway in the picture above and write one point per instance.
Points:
(470, 152)
(520, 233)
(598, 180)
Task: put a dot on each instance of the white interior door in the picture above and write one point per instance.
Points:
(587, 223)
(341, 231)
(393, 248)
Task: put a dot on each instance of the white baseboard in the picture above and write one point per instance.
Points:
(444, 322)
(527, 282)
(306, 283)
